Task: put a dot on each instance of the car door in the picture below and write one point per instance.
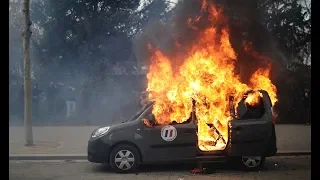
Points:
(160, 147)
(170, 142)
(250, 137)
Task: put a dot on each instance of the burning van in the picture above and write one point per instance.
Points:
(250, 137)
(200, 107)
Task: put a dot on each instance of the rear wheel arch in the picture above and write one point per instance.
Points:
(127, 143)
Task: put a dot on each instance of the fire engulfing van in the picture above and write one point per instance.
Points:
(250, 139)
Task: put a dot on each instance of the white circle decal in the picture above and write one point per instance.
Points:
(169, 133)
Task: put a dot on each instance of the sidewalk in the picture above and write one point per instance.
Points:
(72, 141)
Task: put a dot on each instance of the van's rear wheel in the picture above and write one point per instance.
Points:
(124, 158)
(252, 163)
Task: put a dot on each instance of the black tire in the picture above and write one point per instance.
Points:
(127, 155)
(251, 163)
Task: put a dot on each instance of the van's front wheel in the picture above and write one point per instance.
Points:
(124, 158)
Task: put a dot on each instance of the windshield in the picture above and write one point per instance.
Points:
(140, 112)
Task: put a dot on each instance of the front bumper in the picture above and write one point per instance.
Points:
(98, 151)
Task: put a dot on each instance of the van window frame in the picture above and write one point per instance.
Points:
(262, 99)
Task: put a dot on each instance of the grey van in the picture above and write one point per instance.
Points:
(126, 145)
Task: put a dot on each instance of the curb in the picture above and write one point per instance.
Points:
(70, 157)
(293, 153)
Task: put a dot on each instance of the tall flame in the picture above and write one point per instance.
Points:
(206, 76)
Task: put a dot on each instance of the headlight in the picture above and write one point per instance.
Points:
(100, 131)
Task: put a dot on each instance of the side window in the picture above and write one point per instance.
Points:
(184, 122)
(149, 119)
(247, 111)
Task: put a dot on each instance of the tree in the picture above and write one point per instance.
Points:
(80, 23)
(290, 23)
(151, 27)
(82, 34)
(154, 10)
(27, 75)
(15, 40)
(16, 27)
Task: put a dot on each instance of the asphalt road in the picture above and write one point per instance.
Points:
(290, 168)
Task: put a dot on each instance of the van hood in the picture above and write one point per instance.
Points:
(119, 124)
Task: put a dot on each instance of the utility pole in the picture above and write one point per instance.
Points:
(27, 75)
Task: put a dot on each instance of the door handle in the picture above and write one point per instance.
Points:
(238, 128)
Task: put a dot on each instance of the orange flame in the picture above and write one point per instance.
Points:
(253, 98)
(207, 76)
(260, 80)
(147, 123)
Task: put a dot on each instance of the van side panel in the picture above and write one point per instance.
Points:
(251, 137)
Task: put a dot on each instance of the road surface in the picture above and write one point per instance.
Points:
(290, 168)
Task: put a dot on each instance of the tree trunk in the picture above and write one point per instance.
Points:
(27, 75)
